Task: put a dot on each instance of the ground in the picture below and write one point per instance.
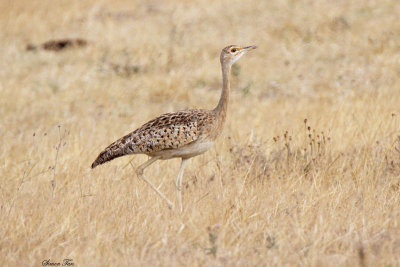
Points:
(306, 171)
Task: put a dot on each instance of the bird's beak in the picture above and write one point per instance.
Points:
(248, 48)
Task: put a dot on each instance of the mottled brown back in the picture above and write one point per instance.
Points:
(168, 131)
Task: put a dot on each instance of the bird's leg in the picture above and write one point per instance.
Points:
(179, 183)
(139, 172)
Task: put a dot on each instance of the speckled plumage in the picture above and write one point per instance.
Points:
(170, 131)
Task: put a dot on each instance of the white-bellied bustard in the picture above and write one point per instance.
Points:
(183, 134)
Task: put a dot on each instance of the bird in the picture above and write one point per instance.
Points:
(182, 134)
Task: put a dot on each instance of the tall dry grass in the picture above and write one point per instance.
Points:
(275, 190)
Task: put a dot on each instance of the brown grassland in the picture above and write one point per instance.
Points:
(275, 190)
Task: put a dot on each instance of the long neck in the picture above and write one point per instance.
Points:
(222, 106)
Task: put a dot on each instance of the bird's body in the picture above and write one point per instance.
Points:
(183, 134)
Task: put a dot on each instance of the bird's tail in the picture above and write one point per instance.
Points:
(117, 149)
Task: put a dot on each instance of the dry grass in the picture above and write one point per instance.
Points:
(271, 192)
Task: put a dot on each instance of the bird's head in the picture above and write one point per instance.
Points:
(232, 53)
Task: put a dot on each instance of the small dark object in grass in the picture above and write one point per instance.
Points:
(58, 45)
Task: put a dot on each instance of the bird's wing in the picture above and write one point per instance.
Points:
(168, 131)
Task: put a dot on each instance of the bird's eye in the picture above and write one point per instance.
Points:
(233, 50)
